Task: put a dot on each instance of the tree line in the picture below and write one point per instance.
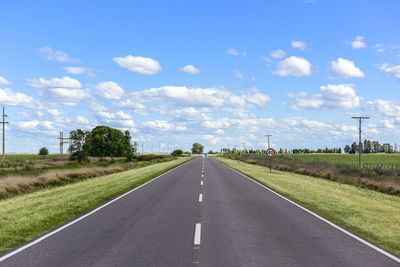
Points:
(369, 146)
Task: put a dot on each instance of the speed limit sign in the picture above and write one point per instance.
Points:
(270, 152)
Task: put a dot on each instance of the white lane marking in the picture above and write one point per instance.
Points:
(200, 197)
(197, 234)
(201, 183)
(12, 253)
(365, 242)
(202, 175)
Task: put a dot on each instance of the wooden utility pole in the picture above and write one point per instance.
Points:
(270, 159)
(360, 119)
(4, 136)
(244, 147)
(63, 140)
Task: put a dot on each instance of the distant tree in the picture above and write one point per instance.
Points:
(210, 152)
(104, 141)
(78, 149)
(354, 148)
(177, 152)
(43, 151)
(197, 148)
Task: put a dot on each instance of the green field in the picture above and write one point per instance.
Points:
(372, 160)
(369, 214)
(29, 215)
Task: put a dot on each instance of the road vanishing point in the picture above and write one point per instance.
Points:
(201, 213)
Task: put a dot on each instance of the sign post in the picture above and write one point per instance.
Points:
(238, 155)
(270, 154)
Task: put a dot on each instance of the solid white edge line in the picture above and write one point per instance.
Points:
(197, 234)
(201, 183)
(12, 253)
(200, 197)
(365, 242)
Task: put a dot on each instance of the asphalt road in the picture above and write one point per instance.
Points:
(203, 214)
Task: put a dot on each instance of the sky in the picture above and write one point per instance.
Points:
(221, 73)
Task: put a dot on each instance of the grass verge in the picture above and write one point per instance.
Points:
(371, 215)
(27, 216)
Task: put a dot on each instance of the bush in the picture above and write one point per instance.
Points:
(43, 151)
(79, 155)
(177, 152)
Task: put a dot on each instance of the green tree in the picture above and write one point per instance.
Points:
(177, 152)
(197, 148)
(77, 145)
(104, 141)
(43, 151)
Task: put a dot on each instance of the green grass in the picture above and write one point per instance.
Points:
(371, 215)
(27, 216)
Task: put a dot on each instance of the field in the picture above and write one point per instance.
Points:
(369, 214)
(27, 173)
(380, 172)
(26, 216)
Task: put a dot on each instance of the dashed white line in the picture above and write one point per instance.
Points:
(197, 234)
(202, 175)
(200, 197)
(201, 183)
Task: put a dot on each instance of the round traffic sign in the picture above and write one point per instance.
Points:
(238, 154)
(270, 152)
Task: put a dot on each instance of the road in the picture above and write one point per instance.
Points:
(203, 214)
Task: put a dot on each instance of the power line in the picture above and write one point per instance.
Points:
(4, 139)
(360, 119)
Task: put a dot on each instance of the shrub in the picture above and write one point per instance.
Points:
(43, 151)
(177, 152)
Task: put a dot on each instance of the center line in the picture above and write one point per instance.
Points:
(197, 234)
(202, 176)
(201, 183)
(200, 197)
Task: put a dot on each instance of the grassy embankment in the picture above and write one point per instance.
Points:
(371, 215)
(27, 216)
(33, 172)
(381, 172)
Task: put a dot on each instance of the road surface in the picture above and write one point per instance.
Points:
(200, 214)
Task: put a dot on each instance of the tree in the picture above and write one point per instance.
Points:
(104, 141)
(43, 151)
(177, 152)
(197, 148)
(354, 148)
(77, 145)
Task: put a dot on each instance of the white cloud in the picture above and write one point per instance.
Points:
(211, 138)
(63, 82)
(54, 112)
(190, 69)
(395, 70)
(358, 42)
(341, 96)
(3, 81)
(383, 107)
(238, 74)
(66, 96)
(58, 55)
(143, 65)
(163, 126)
(278, 53)
(80, 70)
(9, 98)
(257, 98)
(293, 66)
(234, 52)
(120, 115)
(27, 125)
(343, 68)
(110, 90)
(299, 45)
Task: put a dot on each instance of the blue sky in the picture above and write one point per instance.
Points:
(216, 72)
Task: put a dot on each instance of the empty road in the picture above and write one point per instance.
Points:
(200, 214)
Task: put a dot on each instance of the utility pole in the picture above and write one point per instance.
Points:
(4, 139)
(142, 147)
(63, 140)
(244, 147)
(270, 159)
(360, 119)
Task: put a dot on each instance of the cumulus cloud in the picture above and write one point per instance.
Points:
(10, 98)
(58, 55)
(340, 96)
(66, 96)
(299, 45)
(238, 74)
(395, 70)
(3, 81)
(293, 66)
(82, 120)
(358, 42)
(383, 107)
(343, 68)
(163, 126)
(110, 90)
(63, 82)
(278, 53)
(234, 52)
(190, 69)
(143, 65)
(80, 70)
